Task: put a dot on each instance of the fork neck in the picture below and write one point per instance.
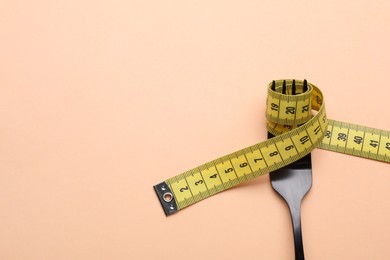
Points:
(297, 230)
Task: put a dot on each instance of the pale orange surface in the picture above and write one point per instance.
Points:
(101, 100)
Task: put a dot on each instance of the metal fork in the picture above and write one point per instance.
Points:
(292, 183)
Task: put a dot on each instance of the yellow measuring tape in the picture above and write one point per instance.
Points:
(297, 132)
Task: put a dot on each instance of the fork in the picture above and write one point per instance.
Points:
(292, 182)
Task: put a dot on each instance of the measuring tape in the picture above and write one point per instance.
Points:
(297, 132)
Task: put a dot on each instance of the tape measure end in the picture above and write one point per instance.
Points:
(166, 198)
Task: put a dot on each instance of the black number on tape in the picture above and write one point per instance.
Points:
(274, 107)
(183, 189)
(228, 170)
(213, 176)
(374, 143)
(388, 146)
(198, 182)
(242, 165)
(304, 139)
(319, 100)
(290, 110)
(288, 148)
(317, 130)
(259, 159)
(358, 139)
(342, 137)
(273, 154)
(328, 134)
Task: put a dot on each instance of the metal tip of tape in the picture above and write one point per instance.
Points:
(166, 198)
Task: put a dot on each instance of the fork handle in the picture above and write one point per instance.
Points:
(297, 230)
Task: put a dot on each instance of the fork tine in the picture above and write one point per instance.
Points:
(293, 88)
(305, 85)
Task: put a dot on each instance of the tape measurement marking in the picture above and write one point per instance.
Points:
(297, 132)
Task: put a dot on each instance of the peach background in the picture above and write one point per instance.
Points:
(101, 100)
